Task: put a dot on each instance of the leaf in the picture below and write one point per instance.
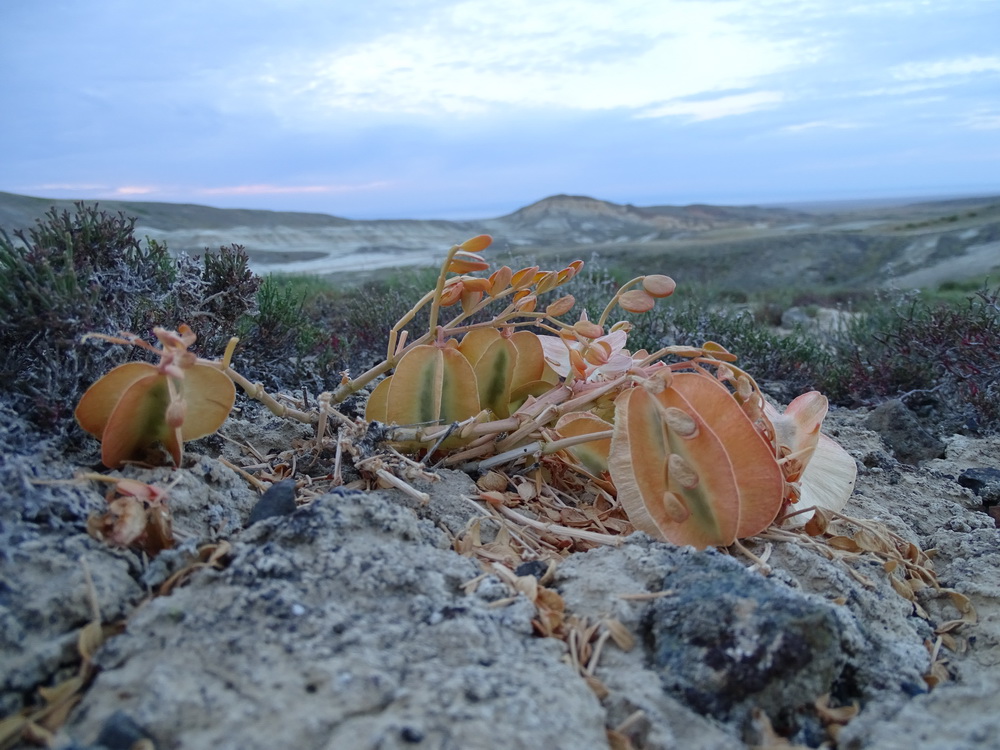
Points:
(477, 244)
(703, 513)
(90, 638)
(658, 285)
(523, 278)
(460, 390)
(467, 264)
(818, 524)
(375, 409)
(475, 343)
(965, 608)
(798, 427)
(902, 587)
(844, 543)
(125, 522)
(829, 477)
(561, 306)
(636, 301)
(756, 473)
(12, 728)
(718, 351)
(494, 376)
(432, 384)
(60, 700)
(593, 454)
(500, 280)
(137, 421)
(415, 388)
(100, 400)
(210, 395)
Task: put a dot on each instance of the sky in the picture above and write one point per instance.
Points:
(464, 109)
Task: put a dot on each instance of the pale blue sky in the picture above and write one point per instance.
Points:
(470, 108)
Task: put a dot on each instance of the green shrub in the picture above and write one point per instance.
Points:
(74, 273)
(945, 356)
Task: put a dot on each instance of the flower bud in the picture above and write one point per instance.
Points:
(636, 301)
(658, 285)
(561, 306)
(588, 330)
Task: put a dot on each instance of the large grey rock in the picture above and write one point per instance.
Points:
(729, 642)
(725, 641)
(342, 625)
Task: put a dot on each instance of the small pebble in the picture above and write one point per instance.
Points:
(279, 500)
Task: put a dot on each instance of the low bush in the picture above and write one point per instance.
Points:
(942, 357)
(74, 273)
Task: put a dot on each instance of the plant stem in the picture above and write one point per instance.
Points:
(438, 291)
(614, 300)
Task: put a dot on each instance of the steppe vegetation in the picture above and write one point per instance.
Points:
(937, 348)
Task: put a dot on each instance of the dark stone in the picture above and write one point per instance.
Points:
(120, 732)
(279, 500)
(902, 432)
(535, 568)
(411, 735)
(724, 648)
(979, 480)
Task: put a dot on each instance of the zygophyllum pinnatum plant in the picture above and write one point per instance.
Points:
(681, 437)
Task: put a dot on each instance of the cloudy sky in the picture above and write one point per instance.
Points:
(473, 108)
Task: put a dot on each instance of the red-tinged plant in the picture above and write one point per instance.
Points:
(680, 440)
(493, 367)
(689, 465)
(692, 450)
(137, 404)
(137, 516)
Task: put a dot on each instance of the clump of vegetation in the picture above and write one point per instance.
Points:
(942, 356)
(74, 273)
(493, 377)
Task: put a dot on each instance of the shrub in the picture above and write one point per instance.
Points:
(73, 273)
(943, 356)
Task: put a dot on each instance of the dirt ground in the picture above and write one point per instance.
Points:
(353, 622)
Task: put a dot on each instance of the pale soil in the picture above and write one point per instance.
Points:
(350, 624)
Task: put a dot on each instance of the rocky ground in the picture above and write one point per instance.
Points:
(352, 622)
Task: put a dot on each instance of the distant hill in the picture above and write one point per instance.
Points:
(871, 244)
(316, 242)
(20, 211)
(567, 219)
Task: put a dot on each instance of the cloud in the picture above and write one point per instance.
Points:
(984, 120)
(172, 191)
(711, 109)
(289, 189)
(582, 55)
(956, 66)
(81, 187)
(135, 190)
(821, 125)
